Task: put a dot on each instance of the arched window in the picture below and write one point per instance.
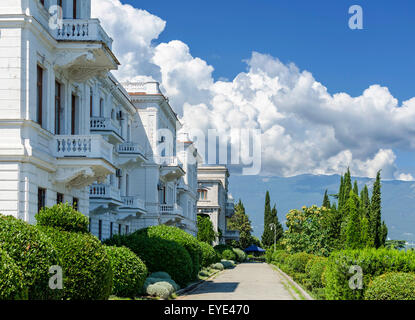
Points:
(113, 114)
(101, 107)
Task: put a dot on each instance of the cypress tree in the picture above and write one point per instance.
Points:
(356, 188)
(279, 229)
(341, 194)
(364, 196)
(375, 218)
(267, 238)
(347, 185)
(326, 201)
(353, 231)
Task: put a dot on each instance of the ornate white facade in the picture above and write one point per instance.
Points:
(70, 132)
(215, 201)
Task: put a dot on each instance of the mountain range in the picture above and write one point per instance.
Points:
(398, 198)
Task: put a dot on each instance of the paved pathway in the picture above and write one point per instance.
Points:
(247, 281)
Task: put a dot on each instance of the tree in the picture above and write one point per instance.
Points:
(205, 232)
(268, 234)
(353, 230)
(326, 201)
(364, 197)
(240, 221)
(375, 215)
(278, 232)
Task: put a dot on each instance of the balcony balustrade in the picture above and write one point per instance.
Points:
(103, 191)
(132, 202)
(172, 209)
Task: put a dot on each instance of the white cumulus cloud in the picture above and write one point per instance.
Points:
(305, 129)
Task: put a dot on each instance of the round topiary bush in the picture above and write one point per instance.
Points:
(314, 270)
(33, 253)
(240, 255)
(129, 272)
(298, 261)
(225, 252)
(218, 266)
(160, 289)
(152, 280)
(11, 279)
(63, 217)
(227, 264)
(186, 240)
(392, 286)
(209, 255)
(87, 272)
(160, 255)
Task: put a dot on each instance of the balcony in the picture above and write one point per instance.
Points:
(105, 193)
(105, 126)
(170, 168)
(132, 205)
(171, 209)
(82, 159)
(130, 154)
(84, 49)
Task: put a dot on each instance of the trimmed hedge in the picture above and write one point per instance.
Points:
(33, 254)
(298, 261)
(392, 286)
(240, 255)
(218, 266)
(11, 284)
(186, 240)
(158, 255)
(280, 256)
(373, 262)
(63, 217)
(225, 252)
(209, 255)
(87, 273)
(129, 272)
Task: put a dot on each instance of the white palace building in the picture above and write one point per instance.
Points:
(70, 132)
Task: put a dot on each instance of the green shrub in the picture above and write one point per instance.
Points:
(11, 279)
(33, 253)
(298, 261)
(225, 252)
(159, 255)
(209, 255)
(87, 273)
(314, 270)
(218, 266)
(184, 239)
(227, 264)
(280, 256)
(129, 272)
(373, 263)
(160, 289)
(392, 286)
(152, 280)
(63, 217)
(240, 255)
(160, 275)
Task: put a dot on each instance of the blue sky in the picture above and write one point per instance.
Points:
(312, 34)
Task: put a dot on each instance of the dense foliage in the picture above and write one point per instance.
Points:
(273, 230)
(87, 272)
(392, 286)
(240, 222)
(373, 262)
(240, 255)
(205, 231)
(159, 255)
(225, 252)
(209, 255)
(11, 284)
(129, 272)
(63, 217)
(33, 253)
(189, 242)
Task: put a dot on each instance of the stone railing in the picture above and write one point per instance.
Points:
(88, 146)
(103, 124)
(168, 161)
(129, 148)
(171, 209)
(82, 30)
(133, 202)
(104, 191)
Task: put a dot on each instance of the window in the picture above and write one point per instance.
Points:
(202, 194)
(42, 2)
(75, 203)
(73, 115)
(111, 226)
(119, 228)
(101, 107)
(39, 114)
(91, 100)
(127, 229)
(59, 198)
(41, 198)
(58, 107)
(127, 185)
(74, 9)
(100, 229)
